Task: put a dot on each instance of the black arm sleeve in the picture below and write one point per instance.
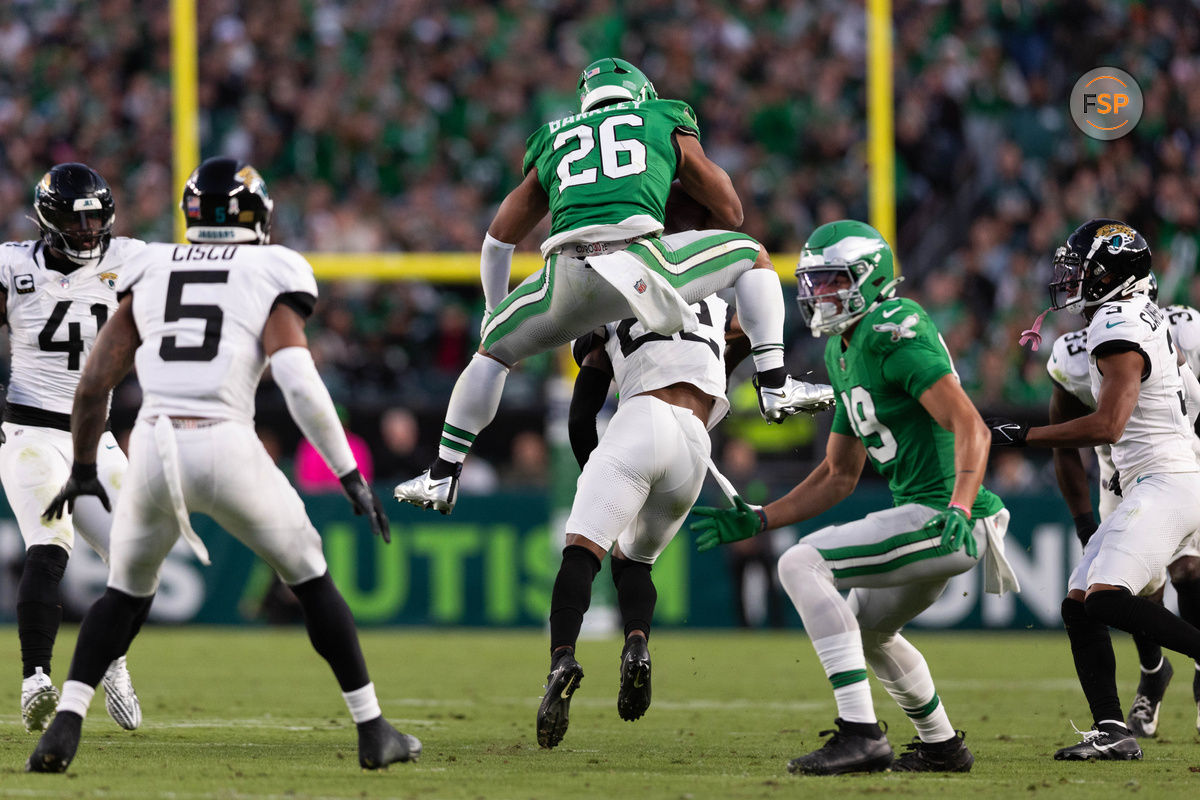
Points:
(300, 302)
(591, 390)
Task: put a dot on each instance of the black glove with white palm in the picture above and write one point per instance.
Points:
(365, 501)
(1007, 432)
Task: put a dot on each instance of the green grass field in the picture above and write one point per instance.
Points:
(254, 713)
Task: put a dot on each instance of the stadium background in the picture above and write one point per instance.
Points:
(398, 127)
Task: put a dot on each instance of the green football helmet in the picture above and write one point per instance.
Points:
(846, 269)
(612, 79)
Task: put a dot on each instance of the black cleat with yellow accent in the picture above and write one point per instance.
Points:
(564, 678)
(634, 696)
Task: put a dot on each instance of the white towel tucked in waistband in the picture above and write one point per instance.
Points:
(654, 301)
(168, 451)
(998, 575)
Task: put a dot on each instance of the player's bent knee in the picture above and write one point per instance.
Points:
(1184, 569)
(799, 564)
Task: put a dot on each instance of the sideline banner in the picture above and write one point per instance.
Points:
(492, 563)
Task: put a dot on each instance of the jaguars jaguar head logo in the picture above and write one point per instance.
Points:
(1115, 237)
(109, 279)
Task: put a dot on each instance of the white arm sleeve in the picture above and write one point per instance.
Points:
(495, 265)
(311, 407)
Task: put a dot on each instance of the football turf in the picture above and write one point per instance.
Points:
(240, 713)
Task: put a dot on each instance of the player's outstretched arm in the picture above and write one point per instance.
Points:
(826, 486)
(110, 361)
(310, 405)
(587, 398)
(1119, 388)
(1069, 471)
(707, 183)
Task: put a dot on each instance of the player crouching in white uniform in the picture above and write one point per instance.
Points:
(55, 294)
(636, 488)
(1140, 387)
(202, 320)
(1071, 398)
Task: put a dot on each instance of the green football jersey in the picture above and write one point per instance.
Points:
(894, 355)
(604, 166)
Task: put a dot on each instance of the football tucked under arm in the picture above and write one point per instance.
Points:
(683, 212)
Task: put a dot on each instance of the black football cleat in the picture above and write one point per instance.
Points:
(58, 744)
(845, 752)
(948, 756)
(1143, 714)
(552, 716)
(1100, 745)
(379, 744)
(634, 696)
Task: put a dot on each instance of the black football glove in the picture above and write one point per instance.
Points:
(365, 501)
(83, 481)
(1085, 526)
(1006, 432)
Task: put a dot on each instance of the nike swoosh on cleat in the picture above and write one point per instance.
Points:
(774, 392)
(637, 682)
(1104, 748)
(567, 688)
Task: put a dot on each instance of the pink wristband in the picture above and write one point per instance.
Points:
(961, 508)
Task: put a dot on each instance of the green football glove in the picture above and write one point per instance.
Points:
(725, 525)
(955, 527)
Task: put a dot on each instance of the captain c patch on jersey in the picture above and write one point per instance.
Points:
(23, 283)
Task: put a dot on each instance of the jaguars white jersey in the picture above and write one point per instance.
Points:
(643, 360)
(53, 319)
(1158, 436)
(200, 311)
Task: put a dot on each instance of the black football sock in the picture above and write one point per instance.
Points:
(1149, 653)
(39, 610)
(1120, 609)
(1095, 663)
(331, 630)
(106, 633)
(636, 594)
(1189, 601)
(871, 730)
(572, 595)
(772, 378)
(444, 469)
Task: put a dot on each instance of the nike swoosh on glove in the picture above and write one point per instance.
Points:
(365, 501)
(955, 528)
(1007, 432)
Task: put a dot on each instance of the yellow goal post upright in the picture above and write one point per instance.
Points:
(880, 114)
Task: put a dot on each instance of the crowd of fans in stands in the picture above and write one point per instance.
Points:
(400, 125)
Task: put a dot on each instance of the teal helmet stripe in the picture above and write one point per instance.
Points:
(613, 79)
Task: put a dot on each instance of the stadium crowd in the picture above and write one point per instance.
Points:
(400, 125)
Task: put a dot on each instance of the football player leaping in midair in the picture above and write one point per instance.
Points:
(1141, 410)
(1072, 397)
(202, 321)
(604, 176)
(57, 292)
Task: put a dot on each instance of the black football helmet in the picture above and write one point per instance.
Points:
(225, 202)
(73, 208)
(1102, 259)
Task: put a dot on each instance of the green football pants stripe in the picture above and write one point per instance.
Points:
(840, 679)
(519, 314)
(925, 710)
(459, 432)
(682, 271)
(894, 564)
(453, 445)
(679, 255)
(875, 548)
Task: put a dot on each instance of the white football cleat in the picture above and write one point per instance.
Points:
(427, 492)
(119, 697)
(39, 700)
(793, 397)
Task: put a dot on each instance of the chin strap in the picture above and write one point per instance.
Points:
(1031, 335)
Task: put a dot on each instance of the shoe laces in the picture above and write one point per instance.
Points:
(1088, 735)
(118, 677)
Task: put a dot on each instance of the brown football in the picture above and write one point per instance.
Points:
(682, 212)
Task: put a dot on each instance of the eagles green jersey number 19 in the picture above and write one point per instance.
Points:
(605, 166)
(894, 355)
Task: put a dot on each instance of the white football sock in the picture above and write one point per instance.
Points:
(363, 704)
(760, 311)
(76, 697)
(902, 670)
(473, 405)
